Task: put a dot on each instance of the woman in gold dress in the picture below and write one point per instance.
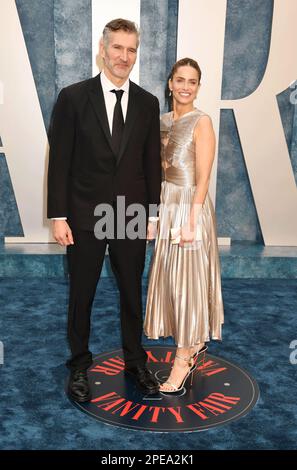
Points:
(184, 294)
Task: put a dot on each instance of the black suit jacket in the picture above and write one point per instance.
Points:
(83, 168)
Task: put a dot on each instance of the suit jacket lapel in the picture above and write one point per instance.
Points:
(132, 112)
(97, 100)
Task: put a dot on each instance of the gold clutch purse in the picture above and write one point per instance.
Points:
(175, 235)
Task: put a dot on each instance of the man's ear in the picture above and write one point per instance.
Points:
(101, 48)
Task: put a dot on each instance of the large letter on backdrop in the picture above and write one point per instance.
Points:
(262, 136)
(201, 35)
(22, 129)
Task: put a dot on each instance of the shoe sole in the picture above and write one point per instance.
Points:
(80, 400)
(149, 392)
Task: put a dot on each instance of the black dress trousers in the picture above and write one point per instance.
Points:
(85, 260)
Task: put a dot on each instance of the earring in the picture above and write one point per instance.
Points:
(170, 93)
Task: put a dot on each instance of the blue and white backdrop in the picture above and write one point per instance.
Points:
(245, 50)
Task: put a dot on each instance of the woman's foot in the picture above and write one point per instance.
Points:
(183, 363)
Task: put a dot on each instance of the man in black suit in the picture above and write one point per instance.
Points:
(104, 143)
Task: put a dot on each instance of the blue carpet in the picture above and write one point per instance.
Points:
(259, 326)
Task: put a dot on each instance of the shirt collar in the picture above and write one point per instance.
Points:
(107, 85)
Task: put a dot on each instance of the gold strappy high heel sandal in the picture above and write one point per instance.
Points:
(189, 375)
(199, 356)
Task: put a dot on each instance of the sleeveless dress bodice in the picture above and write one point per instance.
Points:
(178, 148)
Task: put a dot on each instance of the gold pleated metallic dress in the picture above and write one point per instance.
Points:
(184, 297)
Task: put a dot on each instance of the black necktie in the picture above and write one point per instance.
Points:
(117, 122)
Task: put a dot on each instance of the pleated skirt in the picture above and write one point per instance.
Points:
(184, 297)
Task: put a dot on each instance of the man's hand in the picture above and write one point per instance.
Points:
(62, 233)
(152, 229)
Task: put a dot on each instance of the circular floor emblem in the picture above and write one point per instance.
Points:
(221, 392)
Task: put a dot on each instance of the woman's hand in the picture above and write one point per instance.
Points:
(187, 234)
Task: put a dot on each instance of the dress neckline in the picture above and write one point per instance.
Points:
(184, 115)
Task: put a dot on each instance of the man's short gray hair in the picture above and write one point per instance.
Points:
(119, 24)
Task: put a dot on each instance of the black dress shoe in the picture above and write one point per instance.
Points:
(78, 386)
(144, 379)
